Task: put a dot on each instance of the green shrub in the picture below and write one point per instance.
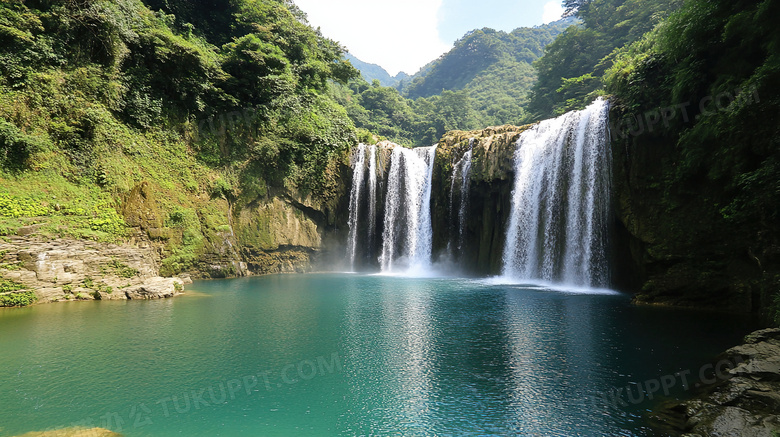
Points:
(108, 221)
(7, 285)
(12, 206)
(16, 147)
(122, 270)
(222, 188)
(11, 266)
(365, 136)
(20, 299)
(67, 288)
(88, 282)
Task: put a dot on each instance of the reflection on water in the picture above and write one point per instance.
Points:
(347, 355)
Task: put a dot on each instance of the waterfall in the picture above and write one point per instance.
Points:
(560, 200)
(372, 187)
(460, 177)
(408, 234)
(354, 202)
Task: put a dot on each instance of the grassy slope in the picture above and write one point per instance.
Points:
(115, 123)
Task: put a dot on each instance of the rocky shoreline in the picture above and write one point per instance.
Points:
(745, 401)
(73, 432)
(66, 270)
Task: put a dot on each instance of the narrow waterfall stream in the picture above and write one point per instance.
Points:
(354, 202)
(372, 197)
(459, 187)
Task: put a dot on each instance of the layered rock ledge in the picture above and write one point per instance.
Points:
(61, 270)
(489, 201)
(745, 404)
(73, 432)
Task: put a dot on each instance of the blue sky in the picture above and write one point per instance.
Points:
(404, 35)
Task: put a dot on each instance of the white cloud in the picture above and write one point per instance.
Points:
(400, 35)
(552, 11)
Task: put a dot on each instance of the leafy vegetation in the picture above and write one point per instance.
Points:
(115, 67)
(11, 206)
(570, 72)
(120, 269)
(7, 285)
(10, 296)
(383, 111)
(19, 299)
(204, 103)
(705, 82)
(724, 61)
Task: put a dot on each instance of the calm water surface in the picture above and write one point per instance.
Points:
(335, 354)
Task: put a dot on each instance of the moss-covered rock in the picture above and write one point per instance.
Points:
(276, 223)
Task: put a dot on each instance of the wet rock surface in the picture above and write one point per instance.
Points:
(745, 404)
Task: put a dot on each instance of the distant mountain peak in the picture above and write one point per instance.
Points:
(373, 71)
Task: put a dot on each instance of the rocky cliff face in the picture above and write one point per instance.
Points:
(675, 246)
(492, 176)
(62, 270)
(277, 230)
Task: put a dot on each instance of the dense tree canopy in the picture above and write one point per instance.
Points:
(569, 73)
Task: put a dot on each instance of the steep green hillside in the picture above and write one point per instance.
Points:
(492, 67)
(569, 73)
(122, 121)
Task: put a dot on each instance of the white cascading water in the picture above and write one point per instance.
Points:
(557, 229)
(358, 173)
(460, 176)
(372, 187)
(408, 233)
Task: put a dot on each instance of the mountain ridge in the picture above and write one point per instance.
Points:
(371, 71)
(480, 52)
